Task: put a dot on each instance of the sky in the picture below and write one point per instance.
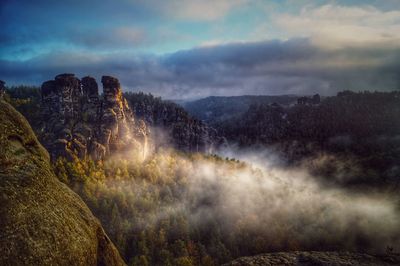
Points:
(189, 49)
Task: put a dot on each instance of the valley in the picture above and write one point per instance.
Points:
(171, 190)
(200, 132)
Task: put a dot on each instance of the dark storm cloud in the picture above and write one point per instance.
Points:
(118, 37)
(271, 67)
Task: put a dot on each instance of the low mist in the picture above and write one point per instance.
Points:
(290, 204)
(259, 200)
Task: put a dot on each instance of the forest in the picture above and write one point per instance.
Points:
(359, 129)
(192, 209)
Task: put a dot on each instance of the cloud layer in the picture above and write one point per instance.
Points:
(334, 26)
(295, 66)
(240, 47)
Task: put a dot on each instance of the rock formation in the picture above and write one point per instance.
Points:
(315, 99)
(2, 88)
(313, 258)
(172, 126)
(42, 222)
(79, 122)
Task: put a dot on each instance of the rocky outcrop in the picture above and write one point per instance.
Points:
(172, 126)
(2, 88)
(42, 222)
(317, 258)
(79, 122)
(315, 99)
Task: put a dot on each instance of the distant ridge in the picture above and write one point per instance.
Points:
(215, 109)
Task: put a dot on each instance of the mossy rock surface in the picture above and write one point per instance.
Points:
(42, 222)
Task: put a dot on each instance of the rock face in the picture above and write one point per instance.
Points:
(78, 122)
(42, 222)
(317, 258)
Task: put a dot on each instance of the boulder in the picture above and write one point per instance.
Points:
(312, 258)
(42, 222)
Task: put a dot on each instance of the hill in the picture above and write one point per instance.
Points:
(216, 109)
(352, 134)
